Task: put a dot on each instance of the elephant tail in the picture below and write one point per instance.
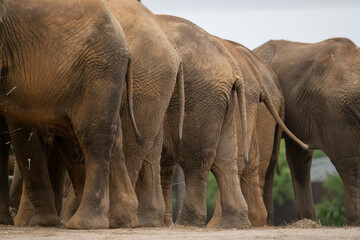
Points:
(270, 106)
(181, 89)
(129, 89)
(240, 90)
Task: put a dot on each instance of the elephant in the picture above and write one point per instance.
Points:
(65, 69)
(320, 86)
(28, 143)
(47, 159)
(157, 74)
(211, 80)
(265, 109)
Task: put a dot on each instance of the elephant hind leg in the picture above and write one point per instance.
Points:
(70, 205)
(5, 217)
(168, 167)
(99, 136)
(31, 159)
(96, 146)
(299, 161)
(151, 200)
(196, 167)
(233, 205)
(16, 188)
(193, 211)
(234, 210)
(349, 170)
(123, 200)
(251, 186)
(25, 211)
(267, 193)
(216, 217)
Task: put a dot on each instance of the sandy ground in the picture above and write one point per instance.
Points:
(10, 232)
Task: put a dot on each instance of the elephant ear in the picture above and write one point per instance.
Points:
(266, 51)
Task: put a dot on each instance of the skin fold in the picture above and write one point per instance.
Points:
(212, 79)
(320, 86)
(59, 81)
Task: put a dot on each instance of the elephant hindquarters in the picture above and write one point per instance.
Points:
(251, 187)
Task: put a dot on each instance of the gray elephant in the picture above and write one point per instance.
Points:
(265, 109)
(320, 85)
(63, 64)
(156, 70)
(212, 79)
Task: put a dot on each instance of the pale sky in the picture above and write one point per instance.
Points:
(254, 22)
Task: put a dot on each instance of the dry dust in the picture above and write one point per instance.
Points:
(288, 232)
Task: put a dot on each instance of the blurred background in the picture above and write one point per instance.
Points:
(252, 23)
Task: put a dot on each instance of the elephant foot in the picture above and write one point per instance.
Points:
(47, 220)
(190, 221)
(241, 223)
(87, 221)
(190, 216)
(258, 220)
(184, 223)
(353, 222)
(168, 221)
(123, 221)
(146, 221)
(23, 216)
(64, 220)
(6, 219)
(216, 217)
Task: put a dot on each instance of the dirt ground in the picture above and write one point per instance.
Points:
(10, 232)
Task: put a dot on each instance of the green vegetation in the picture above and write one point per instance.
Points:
(211, 193)
(331, 211)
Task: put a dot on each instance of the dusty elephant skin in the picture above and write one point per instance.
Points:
(56, 72)
(212, 79)
(157, 74)
(156, 71)
(320, 86)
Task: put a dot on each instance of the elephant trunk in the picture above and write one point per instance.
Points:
(129, 89)
(240, 90)
(180, 83)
